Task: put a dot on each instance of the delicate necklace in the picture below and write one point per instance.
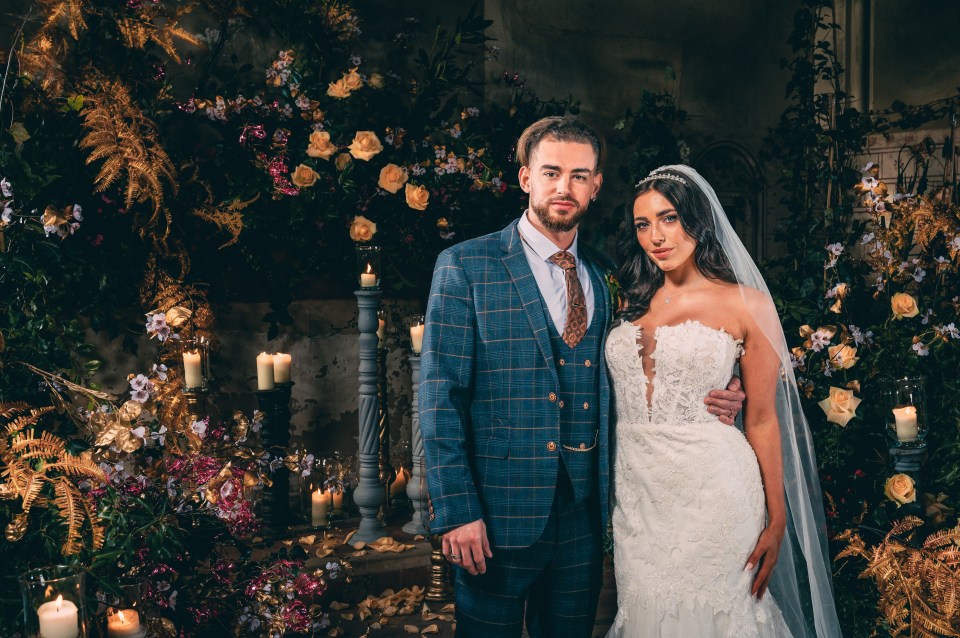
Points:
(683, 290)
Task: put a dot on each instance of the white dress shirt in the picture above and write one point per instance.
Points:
(550, 278)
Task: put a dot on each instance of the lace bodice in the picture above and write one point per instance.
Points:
(690, 360)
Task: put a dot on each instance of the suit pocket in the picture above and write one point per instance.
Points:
(491, 447)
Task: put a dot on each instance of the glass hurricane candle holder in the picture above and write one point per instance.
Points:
(195, 364)
(907, 412)
(368, 266)
(320, 500)
(417, 323)
(53, 603)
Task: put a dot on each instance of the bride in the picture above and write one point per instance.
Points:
(717, 532)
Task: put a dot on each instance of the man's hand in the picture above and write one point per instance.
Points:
(726, 404)
(468, 547)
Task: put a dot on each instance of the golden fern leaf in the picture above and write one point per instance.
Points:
(32, 492)
(10, 408)
(70, 513)
(228, 216)
(97, 532)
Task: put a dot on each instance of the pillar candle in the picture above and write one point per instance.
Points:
(338, 501)
(400, 485)
(368, 279)
(416, 338)
(192, 375)
(319, 502)
(59, 619)
(906, 418)
(264, 371)
(281, 367)
(381, 329)
(125, 624)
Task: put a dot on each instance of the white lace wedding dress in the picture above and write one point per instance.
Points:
(688, 500)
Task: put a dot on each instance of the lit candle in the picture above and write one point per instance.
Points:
(400, 485)
(906, 418)
(192, 377)
(281, 368)
(264, 371)
(319, 502)
(59, 619)
(368, 279)
(338, 501)
(416, 338)
(125, 624)
(381, 329)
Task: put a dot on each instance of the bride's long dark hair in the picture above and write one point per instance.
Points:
(639, 277)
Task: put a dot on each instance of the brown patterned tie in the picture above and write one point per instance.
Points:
(576, 304)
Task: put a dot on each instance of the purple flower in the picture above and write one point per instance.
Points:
(921, 349)
(6, 188)
(160, 370)
(819, 340)
(199, 427)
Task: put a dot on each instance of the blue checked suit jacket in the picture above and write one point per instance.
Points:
(487, 374)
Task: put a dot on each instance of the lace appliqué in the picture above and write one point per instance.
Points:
(688, 500)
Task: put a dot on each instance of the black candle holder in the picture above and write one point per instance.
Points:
(275, 437)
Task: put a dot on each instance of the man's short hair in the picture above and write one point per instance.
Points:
(562, 129)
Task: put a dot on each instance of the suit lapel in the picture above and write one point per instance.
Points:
(515, 261)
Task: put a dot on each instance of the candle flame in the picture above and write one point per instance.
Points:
(120, 616)
(59, 601)
(369, 268)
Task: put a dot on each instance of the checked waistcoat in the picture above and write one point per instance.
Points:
(578, 370)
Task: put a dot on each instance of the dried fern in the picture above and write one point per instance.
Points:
(126, 140)
(39, 471)
(919, 587)
(227, 216)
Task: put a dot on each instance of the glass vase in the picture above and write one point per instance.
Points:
(53, 605)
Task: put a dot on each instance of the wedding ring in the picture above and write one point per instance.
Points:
(454, 556)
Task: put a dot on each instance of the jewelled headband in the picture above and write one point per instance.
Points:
(653, 176)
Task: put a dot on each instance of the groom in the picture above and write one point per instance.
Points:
(515, 402)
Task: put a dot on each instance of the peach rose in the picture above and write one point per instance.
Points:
(338, 89)
(840, 406)
(352, 80)
(342, 161)
(321, 146)
(417, 196)
(177, 316)
(304, 176)
(375, 81)
(900, 489)
(365, 145)
(362, 229)
(392, 177)
(843, 356)
(903, 305)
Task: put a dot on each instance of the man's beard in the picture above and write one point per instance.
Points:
(555, 223)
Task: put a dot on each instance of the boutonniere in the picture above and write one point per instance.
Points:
(613, 286)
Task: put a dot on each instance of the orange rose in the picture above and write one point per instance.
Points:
(338, 89)
(342, 161)
(392, 177)
(842, 357)
(840, 406)
(903, 305)
(900, 489)
(304, 176)
(362, 229)
(365, 145)
(321, 146)
(375, 81)
(417, 196)
(352, 80)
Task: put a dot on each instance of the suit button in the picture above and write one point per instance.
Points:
(552, 396)
(552, 446)
(587, 363)
(586, 406)
(583, 446)
(561, 403)
(562, 362)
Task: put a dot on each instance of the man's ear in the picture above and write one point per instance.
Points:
(597, 182)
(524, 179)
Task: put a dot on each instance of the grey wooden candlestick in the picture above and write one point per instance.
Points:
(369, 494)
(417, 485)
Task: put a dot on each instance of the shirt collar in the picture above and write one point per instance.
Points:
(539, 242)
